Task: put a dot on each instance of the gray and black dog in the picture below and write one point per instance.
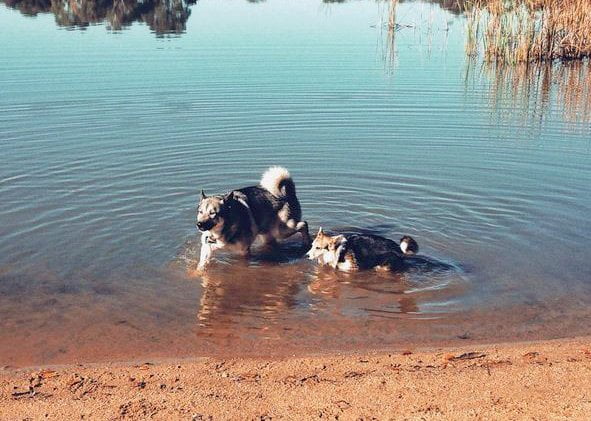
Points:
(233, 221)
(352, 252)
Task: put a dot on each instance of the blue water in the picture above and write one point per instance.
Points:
(108, 134)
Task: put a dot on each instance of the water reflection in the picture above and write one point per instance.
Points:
(420, 24)
(523, 93)
(162, 16)
(254, 297)
(241, 301)
(374, 293)
(526, 93)
(239, 297)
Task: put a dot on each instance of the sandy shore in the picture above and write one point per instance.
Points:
(537, 380)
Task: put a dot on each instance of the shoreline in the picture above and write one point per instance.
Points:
(545, 379)
(394, 349)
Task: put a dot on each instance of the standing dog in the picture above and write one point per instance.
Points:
(234, 220)
(352, 252)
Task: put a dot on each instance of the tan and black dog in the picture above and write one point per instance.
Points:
(351, 252)
(233, 221)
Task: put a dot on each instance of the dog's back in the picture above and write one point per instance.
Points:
(370, 251)
(274, 204)
(262, 204)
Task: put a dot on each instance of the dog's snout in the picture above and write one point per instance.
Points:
(205, 225)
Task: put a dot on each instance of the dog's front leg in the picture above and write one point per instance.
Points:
(206, 251)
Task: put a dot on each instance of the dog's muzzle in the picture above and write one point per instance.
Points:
(205, 225)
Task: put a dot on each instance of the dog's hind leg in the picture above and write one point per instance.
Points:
(269, 241)
(244, 251)
(302, 227)
(392, 262)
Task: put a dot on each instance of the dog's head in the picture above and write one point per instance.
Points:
(324, 247)
(211, 211)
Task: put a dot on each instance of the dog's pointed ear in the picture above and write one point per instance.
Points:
(229, 196)
(338, 241)
(203, 196)
(320, 231)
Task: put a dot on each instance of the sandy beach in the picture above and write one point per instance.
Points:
(534, 380)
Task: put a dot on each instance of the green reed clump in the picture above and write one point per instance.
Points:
(517, 31)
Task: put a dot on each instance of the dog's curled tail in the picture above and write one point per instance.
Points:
(278, 182)
(408, 245)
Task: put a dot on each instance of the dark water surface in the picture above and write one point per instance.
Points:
(110, 124)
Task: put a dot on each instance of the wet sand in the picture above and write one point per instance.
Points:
(534, 380)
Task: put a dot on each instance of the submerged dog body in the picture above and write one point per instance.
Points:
(234, 220)
(350, 252)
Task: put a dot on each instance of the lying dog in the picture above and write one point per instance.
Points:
(350, 252)
(234, 220)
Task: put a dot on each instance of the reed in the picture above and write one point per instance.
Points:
(392, 15)
(521, 31)
(391, 27)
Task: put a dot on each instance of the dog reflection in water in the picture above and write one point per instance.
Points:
(256, 297)
(372, 292)
(238, 300)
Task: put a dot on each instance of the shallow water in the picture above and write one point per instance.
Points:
(109, 132)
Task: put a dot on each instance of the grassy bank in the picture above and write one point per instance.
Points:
(523, 31)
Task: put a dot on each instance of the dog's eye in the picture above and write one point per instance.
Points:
(326, 248)
(212, 214)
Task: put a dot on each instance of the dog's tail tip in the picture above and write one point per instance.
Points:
(277, 180)
(409, 246)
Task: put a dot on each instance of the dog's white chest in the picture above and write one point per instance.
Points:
(327, 259)
(211, 240)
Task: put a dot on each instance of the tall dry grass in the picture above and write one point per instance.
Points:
(518, 31)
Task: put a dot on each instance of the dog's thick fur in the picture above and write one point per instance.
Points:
(270, 210)
(351, 252)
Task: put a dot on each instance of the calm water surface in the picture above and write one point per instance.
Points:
(111, 124)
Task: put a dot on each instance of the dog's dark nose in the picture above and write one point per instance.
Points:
(205, 225)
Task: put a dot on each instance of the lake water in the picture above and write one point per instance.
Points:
(112, 119)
